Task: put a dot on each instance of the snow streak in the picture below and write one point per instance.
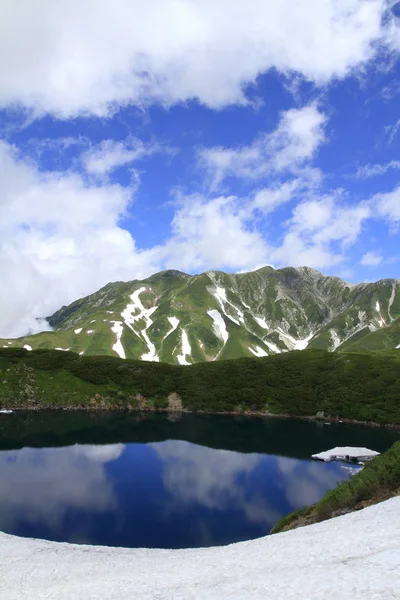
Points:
(186, 349)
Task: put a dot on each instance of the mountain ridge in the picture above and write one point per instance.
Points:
(179, 318)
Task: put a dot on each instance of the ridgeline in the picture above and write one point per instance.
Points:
(354, 386)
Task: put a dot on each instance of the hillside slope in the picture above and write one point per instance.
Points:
(362, 387)
(181, 319)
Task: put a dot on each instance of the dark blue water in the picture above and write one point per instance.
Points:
(159, 482)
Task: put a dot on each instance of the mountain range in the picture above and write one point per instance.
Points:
(182, 319)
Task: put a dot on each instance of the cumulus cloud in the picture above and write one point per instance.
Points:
(55, 231)
(212, 233)
(108, 155)
(319, 230)
(287, 148)
(387, 205)
(85, 58)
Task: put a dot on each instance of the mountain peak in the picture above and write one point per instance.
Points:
(179, 318)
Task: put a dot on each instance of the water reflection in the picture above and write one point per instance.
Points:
(166, 494)
(215, 479)
(39, 486)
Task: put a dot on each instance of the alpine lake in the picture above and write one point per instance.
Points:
(159, 480)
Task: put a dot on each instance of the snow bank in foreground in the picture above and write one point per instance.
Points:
(345, 453)
(353, 557)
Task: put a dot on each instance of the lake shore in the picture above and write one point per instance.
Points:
(352, 556)
(107, 409)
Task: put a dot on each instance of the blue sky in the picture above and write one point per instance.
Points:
(194, 135)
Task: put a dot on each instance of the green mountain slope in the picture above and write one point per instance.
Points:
(181, 319)
(342, 385)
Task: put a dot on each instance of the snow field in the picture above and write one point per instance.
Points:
(129, 317)
(186, 349)
(257, 351)
(174, 322)
(118, 328)
(352, 557)
(219, 325)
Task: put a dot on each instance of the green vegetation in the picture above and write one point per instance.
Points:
(379, 480)
(268, 308)
(364, 387)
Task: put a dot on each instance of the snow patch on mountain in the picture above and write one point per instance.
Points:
(391, 300)
(90, 331)
(335, 339)
(118, 328)
(76, 331)
(294, 344)
(186, 349)
(219, 325)
(262, 322)
(257, 351)
(382, 321)
(273, 347)
(129, 317)
(27, 347)
(174, 322)
(219, 294)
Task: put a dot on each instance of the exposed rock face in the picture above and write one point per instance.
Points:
(174, 402)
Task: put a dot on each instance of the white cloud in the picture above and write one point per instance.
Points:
(89, 58)
(59, 239)
(210, 234)
(369, 170)
(319, 231)
(290, 146)
(387, 205)
(371, 259)
(106, 156)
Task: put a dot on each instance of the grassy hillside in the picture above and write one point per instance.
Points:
(363, 387)
(379, 480)
(182, 319)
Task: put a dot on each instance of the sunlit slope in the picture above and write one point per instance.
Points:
(181, 319)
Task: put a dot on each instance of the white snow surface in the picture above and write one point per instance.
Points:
(118, 328)
(186, 349)
(129, 317)
(219, 325)
(257, 351)
(27, 347)
(382, 322)
(62, 349)
(296, 344)
(174, 322)
(335, 339)
(352, 557)
(340, 452)
(391, 300)
(262, 322)
(273, 347)
(90, 331)
(219, 294)
(76, 331)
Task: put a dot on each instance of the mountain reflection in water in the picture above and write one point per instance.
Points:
(169, 494)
